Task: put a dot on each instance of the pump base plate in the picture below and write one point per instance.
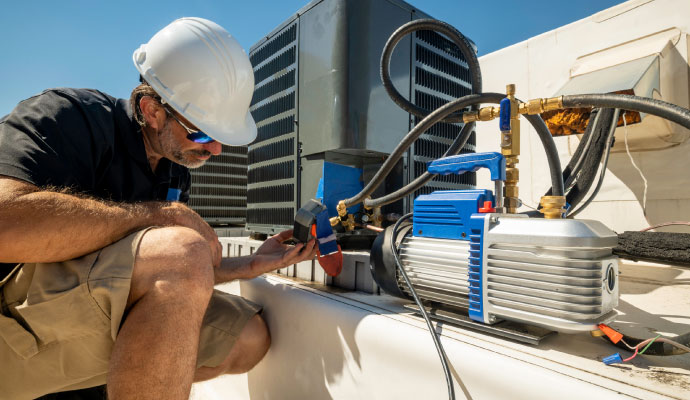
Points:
(512, 330)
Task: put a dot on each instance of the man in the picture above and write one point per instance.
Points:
(112, 277)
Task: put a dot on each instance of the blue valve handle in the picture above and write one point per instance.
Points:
(504, 115)
(471, 162)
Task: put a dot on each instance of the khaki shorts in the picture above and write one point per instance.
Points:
(59, 321)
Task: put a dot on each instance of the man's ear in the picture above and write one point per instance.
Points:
(152, 111)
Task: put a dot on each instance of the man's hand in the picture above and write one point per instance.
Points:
(273, 254)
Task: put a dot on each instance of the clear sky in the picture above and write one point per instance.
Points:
(89, 43)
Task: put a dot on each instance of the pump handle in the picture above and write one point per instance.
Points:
(470, 162)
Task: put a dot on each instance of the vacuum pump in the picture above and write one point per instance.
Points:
(460, 252)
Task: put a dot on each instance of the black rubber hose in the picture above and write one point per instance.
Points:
(575, 165)
(659, 108)
(422, 179)
(582, 190)
(538, 124)
(586, 157)
(436, 116)
(454, 35)
(551, 153)
(439, 348)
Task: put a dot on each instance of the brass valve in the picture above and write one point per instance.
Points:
(531, 107)
(510, 148)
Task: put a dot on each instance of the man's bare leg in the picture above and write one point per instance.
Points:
(251, 346)
(154, 356)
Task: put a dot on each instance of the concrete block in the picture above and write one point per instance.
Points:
(364, 280)
(305, 270)
(320, 275)
(347, 279)
(232, 232)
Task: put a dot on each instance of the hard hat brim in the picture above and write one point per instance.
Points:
(234, 133)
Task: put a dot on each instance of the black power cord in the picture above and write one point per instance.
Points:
(434, 336)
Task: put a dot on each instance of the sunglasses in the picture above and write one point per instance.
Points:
(195, 136)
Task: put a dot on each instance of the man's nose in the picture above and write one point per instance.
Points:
(213, 147)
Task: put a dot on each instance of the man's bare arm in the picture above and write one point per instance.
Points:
(47, 226)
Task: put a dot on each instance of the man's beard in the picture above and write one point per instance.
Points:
(172, 149)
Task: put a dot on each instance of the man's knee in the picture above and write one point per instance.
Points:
(250, 348)
(257, 336)
(170, 261)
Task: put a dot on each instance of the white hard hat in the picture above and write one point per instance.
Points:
(203, 73)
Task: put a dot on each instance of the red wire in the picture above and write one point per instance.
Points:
(632, 356)
(643, 343)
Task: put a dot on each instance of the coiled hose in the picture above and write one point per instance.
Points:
(473, 64)
(446, 114)
(455, 36)
(582, 185)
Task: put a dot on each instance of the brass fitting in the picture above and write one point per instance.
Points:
(377, 217)
(348, 223)
(511, 192)
(552, 206)
(347, 220)
(484, 114)
(511, 204)
(341, 208)
(538, 106)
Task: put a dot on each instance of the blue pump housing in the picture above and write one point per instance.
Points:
(460, 215)
(453, 214)
(446, 214)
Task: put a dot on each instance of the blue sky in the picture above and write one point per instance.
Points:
(80, 43)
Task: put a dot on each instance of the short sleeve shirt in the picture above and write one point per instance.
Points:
(86, 141)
